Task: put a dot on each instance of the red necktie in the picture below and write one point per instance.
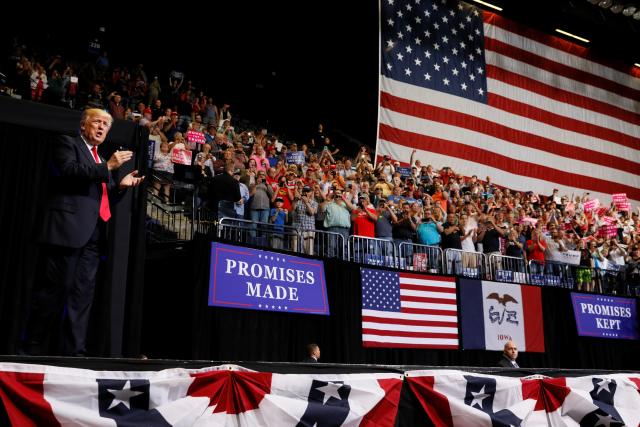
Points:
(105, 212)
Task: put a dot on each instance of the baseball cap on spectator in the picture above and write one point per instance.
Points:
(306, 189)
(363, 196)
(279, 199)
(174, 113)
(147, 111)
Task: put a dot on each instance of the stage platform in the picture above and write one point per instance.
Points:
(140, 364)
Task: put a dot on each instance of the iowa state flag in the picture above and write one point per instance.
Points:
(228, 395)
(493, 313)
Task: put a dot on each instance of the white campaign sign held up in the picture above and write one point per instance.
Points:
(567, 257)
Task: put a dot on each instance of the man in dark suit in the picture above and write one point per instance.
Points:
(225, 192)
(313, 354)
(73, 234)
(509, 356)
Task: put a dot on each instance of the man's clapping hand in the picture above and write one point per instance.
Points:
(118, 159)
(131, 180)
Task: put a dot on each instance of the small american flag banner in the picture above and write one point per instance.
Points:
(408, 310)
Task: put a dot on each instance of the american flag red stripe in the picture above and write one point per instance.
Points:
(412, 345)
(569, 98)
(408, 310)
(562, 122)
(551, 115)
(479, 124)
(558, 44)
(504, 163)
(382, 333)
(558, 69)
(392, 321)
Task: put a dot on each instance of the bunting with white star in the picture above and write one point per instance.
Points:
(456, 398)
(226, 395)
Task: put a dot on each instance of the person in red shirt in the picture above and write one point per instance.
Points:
(283, 192)
(536, 247)
(364, 218)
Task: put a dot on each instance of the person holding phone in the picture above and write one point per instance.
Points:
(337, 219)
(305, 209)
(74, 234)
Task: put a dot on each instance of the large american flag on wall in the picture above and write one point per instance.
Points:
(476, 92)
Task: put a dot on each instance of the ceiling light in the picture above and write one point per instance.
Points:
(617, 8)
(488, 5)
(605, 4)
(582, 39)
(629, 10)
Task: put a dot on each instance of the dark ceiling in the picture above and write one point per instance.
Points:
(612, 35)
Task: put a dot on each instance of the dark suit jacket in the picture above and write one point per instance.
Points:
(309, 359)
(224, 187)
(76, 189)
(505, 362)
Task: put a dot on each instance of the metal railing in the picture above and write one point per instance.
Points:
(465, 263)
(261, 234)
(551, 273)
(422, 257)
(508, 268)
(329, 244)
(205, 221)
(612, 280)
(169, 222)
(369, 250)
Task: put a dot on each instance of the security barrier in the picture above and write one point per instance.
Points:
(261, 234)
(507, 268)
(173, 222)
(465, 263)
(422, 257)
(372, 251)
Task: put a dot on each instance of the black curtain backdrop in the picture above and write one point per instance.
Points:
(179, 324)
(26, 132)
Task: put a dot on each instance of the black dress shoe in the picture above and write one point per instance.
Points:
(32, 348)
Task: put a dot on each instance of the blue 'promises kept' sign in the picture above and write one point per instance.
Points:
(605, 317)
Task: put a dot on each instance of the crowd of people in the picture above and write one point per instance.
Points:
(314, 186)
(423, 205)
